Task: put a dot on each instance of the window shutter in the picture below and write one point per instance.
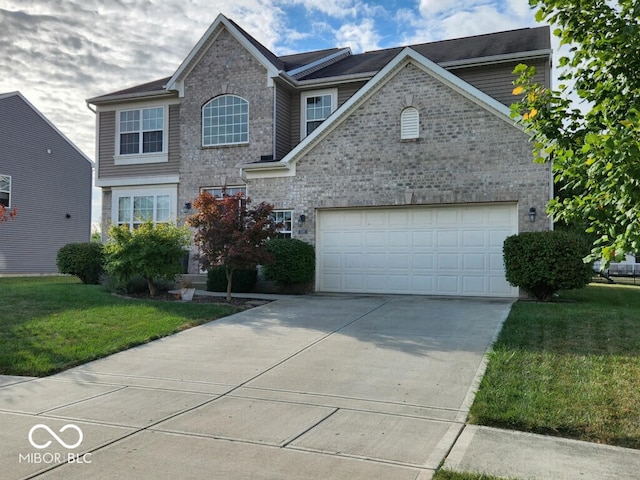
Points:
(409, 124)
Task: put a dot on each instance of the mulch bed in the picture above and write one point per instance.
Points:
(171, 297)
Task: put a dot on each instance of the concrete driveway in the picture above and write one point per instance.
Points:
(344, 387)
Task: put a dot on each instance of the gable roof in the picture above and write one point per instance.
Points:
(269, 60)
(467, 50)
(16, 94)
(286, 166)
(335, 63)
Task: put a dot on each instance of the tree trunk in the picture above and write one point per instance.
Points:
(229, 272)
(152, 287)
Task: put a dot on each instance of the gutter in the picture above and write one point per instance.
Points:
(130, 96)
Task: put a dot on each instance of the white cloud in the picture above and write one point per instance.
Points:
(434, 7)
(333, 8)
(360, 37)
(483, 19)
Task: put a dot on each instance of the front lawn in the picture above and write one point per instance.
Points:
(48, 324)
(569, 368)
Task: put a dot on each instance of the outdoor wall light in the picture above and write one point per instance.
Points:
(302, 219)
(186, 208)
(68, 215)
(532, 214)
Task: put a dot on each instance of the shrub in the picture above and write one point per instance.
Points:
(135, 284)
(294, 262)
(543, 263)
(83, 260)
(244, 280)
(151, 251)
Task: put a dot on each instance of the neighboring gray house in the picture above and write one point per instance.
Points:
(48, 179)
(402, 166)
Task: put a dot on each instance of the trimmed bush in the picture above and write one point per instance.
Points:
(294, 262)
(83, 260)
(152, 251)
(244, 280)
(543, 263)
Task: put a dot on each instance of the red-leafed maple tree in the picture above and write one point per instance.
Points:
(231, 235)
(6, 215)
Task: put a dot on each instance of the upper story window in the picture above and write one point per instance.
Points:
(141, 131)
(316, 107)
(5, 190)
(409, 124)
(225, 121)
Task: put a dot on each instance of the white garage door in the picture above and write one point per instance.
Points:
(415, 250)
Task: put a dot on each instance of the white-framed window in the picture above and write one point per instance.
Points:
(316, 107)
(141, 135)
(225, 121)
(141, 131)
(134, 206)
(283, 217)
(409, 124)
(229, 190)
(5, 190)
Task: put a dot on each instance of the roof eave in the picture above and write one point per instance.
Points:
(107, 99)
(493, 59)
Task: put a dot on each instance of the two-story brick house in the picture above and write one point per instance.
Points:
(401, 166)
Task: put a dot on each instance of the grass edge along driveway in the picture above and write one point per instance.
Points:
(569, 368)
(49, 324)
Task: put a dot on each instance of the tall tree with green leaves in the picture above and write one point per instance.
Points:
(595, 145)
(231, 235)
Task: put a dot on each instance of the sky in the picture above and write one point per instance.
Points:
(58, 53)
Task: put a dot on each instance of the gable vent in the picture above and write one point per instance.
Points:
(409, 124)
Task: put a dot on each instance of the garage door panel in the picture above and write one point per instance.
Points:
(422, 238)
(423, 261)
(376, 239)
(397, 261)
(353, 260)
(331, 261)
(474, 238)
(398, 239)
(447, 238)
(448, 261)
(496, 237)
(448, 284)
(473, 261)
(418, 250)
(474, 285)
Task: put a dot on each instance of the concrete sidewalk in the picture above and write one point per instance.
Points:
(344, 387)
(511, 454)
(330, 387)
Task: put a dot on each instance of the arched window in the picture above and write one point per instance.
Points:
(409, 124)
(225, 120)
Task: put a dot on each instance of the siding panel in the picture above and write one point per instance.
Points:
(50, 180)
(497, 80)
(107, 141)
(283, 122)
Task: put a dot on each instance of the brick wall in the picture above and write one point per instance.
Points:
(226, 68)
(464, 154)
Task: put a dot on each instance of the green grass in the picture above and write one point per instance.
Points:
(49, 324)
(571, 368)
